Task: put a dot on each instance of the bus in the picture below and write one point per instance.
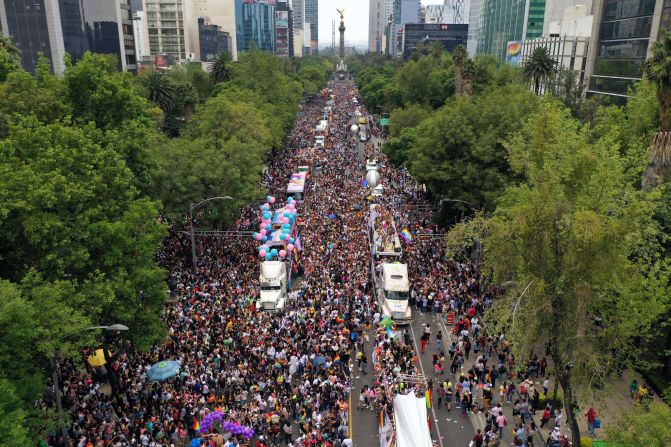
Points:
(296, 187)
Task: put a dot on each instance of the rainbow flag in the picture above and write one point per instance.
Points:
(381, 419)
(406, 235)
(428, 398)
(196, 424)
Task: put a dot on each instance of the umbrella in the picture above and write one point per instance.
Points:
(98, 359)
(331, 216)
(318, 361)
(163, 370)
(357, 207)
(387, 323)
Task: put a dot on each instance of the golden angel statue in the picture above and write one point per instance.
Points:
(342, 14)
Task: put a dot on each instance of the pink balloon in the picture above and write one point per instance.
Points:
(285, 220)
(290, 247)
(262, 254)
(282, 253)
(263, 231)
(272, 200)
(259, 236)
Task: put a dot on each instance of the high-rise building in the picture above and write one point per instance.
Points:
(452, 11)
(57, 27)
(140, 35)
(222, 14)
(534, 19)
(376, 25)
(502, 21)
(255, 22)
(403, 11)
(172, 26)
(213, 40)
(312, 17)
(298, 18)
(474, 19)
(284, 32)
(449, 35)
(624, 31)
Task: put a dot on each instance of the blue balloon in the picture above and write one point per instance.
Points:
(264, 238)
(292, 240)
(269, 227)
(273, 251)
(267, 198)
(269, 256)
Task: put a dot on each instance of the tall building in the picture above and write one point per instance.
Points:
(474, 19)
(213, 40)
(298, 18)
(57, 27)
(255, 22)
(534, 18)
(312, 17)
(140, 35)
(449, 35)
(555, 11)
(222, 14)
(452, 11)
(501, 21)
(284, 32)
(172, 26)
(376, 25)
(403, 12)
(624, 31)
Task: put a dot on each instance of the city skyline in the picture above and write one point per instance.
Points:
(356, 20)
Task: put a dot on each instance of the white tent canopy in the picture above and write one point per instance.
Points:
(410, 417)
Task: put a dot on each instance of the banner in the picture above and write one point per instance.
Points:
(514, 52)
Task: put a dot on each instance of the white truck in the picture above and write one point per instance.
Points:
(273, 286)
(392, 291)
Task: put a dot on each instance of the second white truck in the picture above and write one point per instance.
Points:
(273, 291)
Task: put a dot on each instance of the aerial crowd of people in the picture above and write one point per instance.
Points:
(287, 375)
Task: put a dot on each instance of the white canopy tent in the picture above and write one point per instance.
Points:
(410, 418)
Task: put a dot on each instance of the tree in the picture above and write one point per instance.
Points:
(564, 238)
(642, 427)
(538, 68)
(406, 118)
(468, 74)
(658, 70)
(458, 151)
(68, 208)
(99, 93)
(159, 90)
(219, 70)
(459, 56)
(9, 58)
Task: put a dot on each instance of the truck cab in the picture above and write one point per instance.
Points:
(393, 291)
(319, 141)
(273, 286)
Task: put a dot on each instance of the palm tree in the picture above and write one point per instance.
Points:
(459, 55)
(159, 90)
(658, 70)
(539, 67)
(219, 68)
(468, 73)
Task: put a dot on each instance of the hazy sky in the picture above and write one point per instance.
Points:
(356, 19)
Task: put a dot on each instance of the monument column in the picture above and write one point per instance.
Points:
(341, 69)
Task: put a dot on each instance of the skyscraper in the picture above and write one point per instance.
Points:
(474, 18)
(298, 18)
(312, 17)
(625, 30)
(255, 22)
(172, 26)
(534, 19)
(222, 14)
(57, 27)
(501, 21)
(376, 24)
(284, 32)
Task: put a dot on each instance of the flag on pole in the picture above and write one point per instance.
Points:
(428, 398)
(381, 419)
(406, 235)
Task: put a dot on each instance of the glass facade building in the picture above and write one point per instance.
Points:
(623, 40)
(312, 17)
(57, 27)
(535, 19)
(255, 22)
(501, 21)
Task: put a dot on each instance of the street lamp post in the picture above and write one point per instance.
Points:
(192, 208)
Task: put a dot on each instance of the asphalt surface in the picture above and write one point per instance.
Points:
(448, 428)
